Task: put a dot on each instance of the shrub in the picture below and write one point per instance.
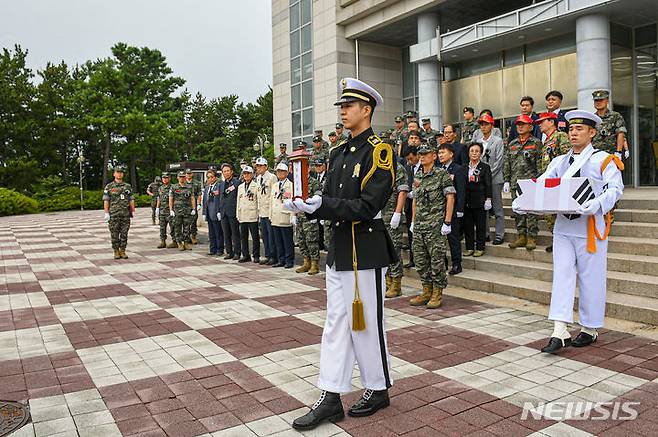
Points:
(13, 203)
(142, 200)
(69, 198)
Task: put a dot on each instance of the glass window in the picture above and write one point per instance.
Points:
(551, 47)
(296, 124)
(307, 119)
(307, 66)
(307, 94)
(295, 71)
(645, 35)
(307, 38)
(294, 16)
(296, 97)
(294, 43)
(513, 56)
(306, 11)
(480, 65)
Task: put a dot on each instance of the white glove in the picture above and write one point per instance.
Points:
(198, 207)
(627, 154)
(487, 204)
(459, 214)
(157, 212)
(310, 205)
(219, 216)
(618, 154)
(289, 205)
(446, 229)
(395, 220)
(171, 213)
(591, 207)
(293, 219)
(411, 228)
(410, 195)
(515, 207)
(193, 212)
(203, 217)
(506, 187)
(106, 216)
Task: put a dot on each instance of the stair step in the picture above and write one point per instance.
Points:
(646, 204)
(618, 228)
(619, 305)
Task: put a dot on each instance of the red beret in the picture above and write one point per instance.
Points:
(486, 118)
(523, 119)
(545, 116)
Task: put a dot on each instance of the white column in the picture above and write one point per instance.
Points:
(429, 74)
(593, 57)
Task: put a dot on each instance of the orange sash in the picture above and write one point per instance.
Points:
(592, 230)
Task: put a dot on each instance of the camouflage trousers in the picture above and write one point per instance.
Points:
(119, 231)
(154, 207)
(326, 224)
(550, 221)
(181, 227)
(525, 224)
(395, 269)
(308, 238)
(166, 220)
(429, 248)
(193, 224)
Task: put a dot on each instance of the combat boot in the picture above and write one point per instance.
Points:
(117, 255)
(396, 288)
(519, 242)
(154, 220)
(194, 239)
(181, 246)
(389, 279)
(315, 268)
(422, 298)
(304, 267)
(163, 244)
(172, 245)
(435, 301)
(531, 243)
(122, 254)
(188, 246)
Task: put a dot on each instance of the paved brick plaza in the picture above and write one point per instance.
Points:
(180, 344)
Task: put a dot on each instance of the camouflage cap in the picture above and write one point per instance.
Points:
(601, 94)
(339, 125)
(319, 161)
(425, 148)
(332, 134)
(410, 114)
(317, 139)
(283, 146)
(181, 174)
(426, 120)
(120, 167)
(188, 171)
(165, 174)
(399, 119)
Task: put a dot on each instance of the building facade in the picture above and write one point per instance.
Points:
(437, 56)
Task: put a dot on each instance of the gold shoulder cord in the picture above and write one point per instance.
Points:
(385, 163)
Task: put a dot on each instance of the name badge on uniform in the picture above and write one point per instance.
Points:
(357, 170)
(122, 197)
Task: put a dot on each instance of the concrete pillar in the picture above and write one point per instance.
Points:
(429, 74)
(593, 57)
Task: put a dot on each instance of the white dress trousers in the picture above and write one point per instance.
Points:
(341, 346)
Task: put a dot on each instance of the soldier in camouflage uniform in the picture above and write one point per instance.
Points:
(610, 134)
(318, 151)
(197, 190)
(397, 134)
(152, 190)
(283, 156)
(427, 132)
(522, 157)
(392, 214)
(308, 234)
(556, 144)
(320, 166)
(119, 205)
(470, 125)
(434, 199)
(163, 212)
(182, 208)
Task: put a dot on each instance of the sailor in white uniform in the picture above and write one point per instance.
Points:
(580, 245)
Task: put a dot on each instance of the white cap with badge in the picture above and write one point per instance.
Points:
(354, 90)
(282, 166)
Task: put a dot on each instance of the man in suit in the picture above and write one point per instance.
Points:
(458, 149)
(458, 176)
(553, 104)
(212, 215)
(412, 167)
(228, 202)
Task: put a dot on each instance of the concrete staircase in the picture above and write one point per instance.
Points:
(632, 262)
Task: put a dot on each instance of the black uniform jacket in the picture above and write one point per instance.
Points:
(344, 202)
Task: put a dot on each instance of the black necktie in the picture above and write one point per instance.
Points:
(577, 174)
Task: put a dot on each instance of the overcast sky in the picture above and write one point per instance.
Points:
(219, 47)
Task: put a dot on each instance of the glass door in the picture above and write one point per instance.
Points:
(647, 101)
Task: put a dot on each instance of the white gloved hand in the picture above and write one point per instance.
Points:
(459, 214)
(193, 212)
(106, 216)
(591, 207)
(293, 219)
(515, 207)
(198, 207)
(203, 217)
(172, 213)
(411, 228)
(410, 195)
(289, 205)
(446, 229)
(627, 154)
(219, 216)
(310, 205)
(506, 187)
(487, 204)
(618, 154)
(395, 220)
(157, 212)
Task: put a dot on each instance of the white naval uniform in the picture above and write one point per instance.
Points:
(341, 346)
(570, 255)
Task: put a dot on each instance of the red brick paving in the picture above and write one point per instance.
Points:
(297, 303)
(25, 318)
(199, 296)
(58, 297)
(451, 307)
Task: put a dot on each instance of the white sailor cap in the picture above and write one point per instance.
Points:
(354, 90)
(261, 161)
(282, 166)
(247, 169)
(578, 116)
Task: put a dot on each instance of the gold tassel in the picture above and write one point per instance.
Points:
(358, 319)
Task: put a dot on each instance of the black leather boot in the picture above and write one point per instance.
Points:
(328, 407)
(370, 403)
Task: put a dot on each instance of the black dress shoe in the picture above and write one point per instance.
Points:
(370, 403)
(211, 253)
(327, 408)
(244, 259)
(256, 260)
(455, 270)
(228, 256)
(236, 257)
(271, 262)
(555, 344)
(498, 242)
(583, 339)
(278, 265)
(288, 266)
(488, 239)
(549, 249)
